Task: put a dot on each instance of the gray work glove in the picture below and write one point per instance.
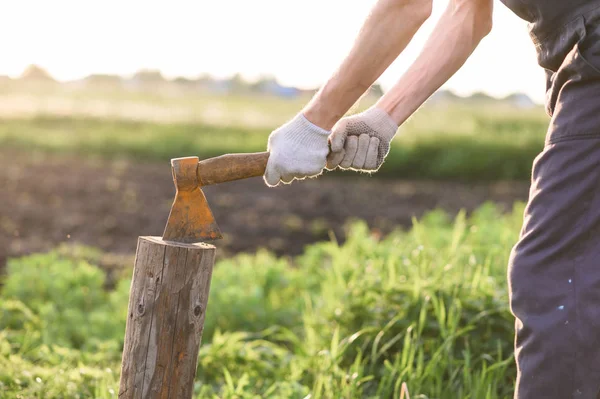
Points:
(298, 149)
(362, 141)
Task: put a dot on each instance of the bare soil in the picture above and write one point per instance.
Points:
(50, 199)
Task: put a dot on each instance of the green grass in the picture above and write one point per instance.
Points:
(162, 103)
(427, 307)
(460, 143)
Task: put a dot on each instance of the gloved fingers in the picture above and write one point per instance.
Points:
(338, 136)
(361, 152)
(350, 147)
(272, 175)
(313, 168)
(372, 152)
(287, 178)
(303, 176)
(334, 159)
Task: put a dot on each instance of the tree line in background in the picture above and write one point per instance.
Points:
(236, 84)
(154, 78)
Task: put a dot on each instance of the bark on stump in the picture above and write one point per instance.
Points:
(167, 304)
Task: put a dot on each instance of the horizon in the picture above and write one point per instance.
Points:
(247, 81)
(211, 39)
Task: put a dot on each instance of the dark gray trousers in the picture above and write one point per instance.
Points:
(554, 276)
(554, 269)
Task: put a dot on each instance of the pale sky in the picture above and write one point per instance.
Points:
(300, 42)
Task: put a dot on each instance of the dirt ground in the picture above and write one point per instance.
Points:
(48, 200)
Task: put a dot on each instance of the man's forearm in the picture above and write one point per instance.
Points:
(386, 32)
(455, 37)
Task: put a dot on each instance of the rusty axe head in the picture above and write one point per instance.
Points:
(191, 219)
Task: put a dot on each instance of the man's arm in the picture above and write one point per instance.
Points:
(455, 37)
(299, 148)
(386, 32)
(362, 141)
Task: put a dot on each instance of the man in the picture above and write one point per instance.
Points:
(554, 270)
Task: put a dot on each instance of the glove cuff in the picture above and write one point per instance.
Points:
(305, 132)
(380, 121)
(300, 133)
(309, 126)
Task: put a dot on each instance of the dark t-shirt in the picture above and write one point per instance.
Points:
(566, 34)
(546, 16)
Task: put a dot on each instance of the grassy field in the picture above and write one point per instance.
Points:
(427, 307)
(455, 142)
(167, 103)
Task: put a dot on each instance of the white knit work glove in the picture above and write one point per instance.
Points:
(297, 150)
(362, 141)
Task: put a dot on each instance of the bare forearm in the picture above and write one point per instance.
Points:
(457, 34)
(386, 32)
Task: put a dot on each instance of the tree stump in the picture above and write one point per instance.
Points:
(167, 304)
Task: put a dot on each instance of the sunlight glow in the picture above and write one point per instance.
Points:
(300, 42)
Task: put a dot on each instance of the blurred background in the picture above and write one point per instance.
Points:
(343, 286)
(97, 98)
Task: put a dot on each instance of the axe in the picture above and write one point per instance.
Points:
(191, 219)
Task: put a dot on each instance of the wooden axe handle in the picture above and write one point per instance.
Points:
(231, 167)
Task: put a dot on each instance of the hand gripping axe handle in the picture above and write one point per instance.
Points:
(191, 219)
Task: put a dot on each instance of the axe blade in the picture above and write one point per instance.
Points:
(190, 219)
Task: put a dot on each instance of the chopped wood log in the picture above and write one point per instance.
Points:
(167, 305)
